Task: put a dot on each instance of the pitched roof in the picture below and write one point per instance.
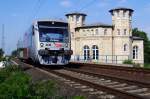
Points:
(95, 25)
(137, 38)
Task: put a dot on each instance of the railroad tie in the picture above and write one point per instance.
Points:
(97, 92)
(145, 94)
(87, 89)
(111, 83)
(101, 79)
(77, 84)
(106, 97)
(106, 81)
(127, 88)
(138, 90)
(118, 85)
(81, 87)
(69, 82)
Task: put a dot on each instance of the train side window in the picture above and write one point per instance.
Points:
(33, 30)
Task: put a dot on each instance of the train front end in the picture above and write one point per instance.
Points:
(54, 43)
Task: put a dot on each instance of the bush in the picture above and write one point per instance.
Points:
(44, 89)
(136, 65)
(127, 62)
(16, 85)
(147, 65)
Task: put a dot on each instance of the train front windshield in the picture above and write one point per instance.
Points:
(52, 34)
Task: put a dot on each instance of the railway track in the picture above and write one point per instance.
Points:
(135, 74)
(110, 89)
(104, 87)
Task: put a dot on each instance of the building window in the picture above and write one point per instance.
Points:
(78, 17)
(125, 31)
(92, 32)
(95, 52)
(72, 18)
(117, 13)
(96, 31)
(124, 13)
(125, 47)
(135, 52)
(118, 30)
(86, 52)
(72, 34)
(105, 31)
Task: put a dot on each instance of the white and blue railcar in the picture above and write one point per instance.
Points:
(47, 42)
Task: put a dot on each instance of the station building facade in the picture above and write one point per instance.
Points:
(105, 43)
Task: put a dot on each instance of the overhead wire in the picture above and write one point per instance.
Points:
(36, 7)
(87, 5)
(36, 10)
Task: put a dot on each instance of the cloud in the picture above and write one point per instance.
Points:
(66, 3)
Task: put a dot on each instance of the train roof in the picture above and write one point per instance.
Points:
(51, 20)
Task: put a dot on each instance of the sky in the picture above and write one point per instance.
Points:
(17, 15)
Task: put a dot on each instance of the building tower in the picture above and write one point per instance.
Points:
(122, 32)
(74, 20)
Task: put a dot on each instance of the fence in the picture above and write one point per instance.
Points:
(116, 59)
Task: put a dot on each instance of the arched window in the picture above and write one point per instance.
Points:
(95, 52)
(77, 18)
(96, 31)
(72, 34)
(72, 18)
(135, 52)
(105, 31)
(125, 31)
(86, 52)
(124, 13)
(125, 47)
(118, 30)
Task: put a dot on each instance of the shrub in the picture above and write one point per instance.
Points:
(136, 65)
(147, 65)
(16, 85)
(127, 62)
(44, 89)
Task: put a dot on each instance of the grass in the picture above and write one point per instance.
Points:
(147, 65)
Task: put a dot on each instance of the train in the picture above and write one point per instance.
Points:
(47, 42)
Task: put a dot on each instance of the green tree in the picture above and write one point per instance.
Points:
(1, 52)
(143, 35)
(14, 53)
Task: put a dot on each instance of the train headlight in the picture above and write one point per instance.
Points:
(41, 44)
(66, 45)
